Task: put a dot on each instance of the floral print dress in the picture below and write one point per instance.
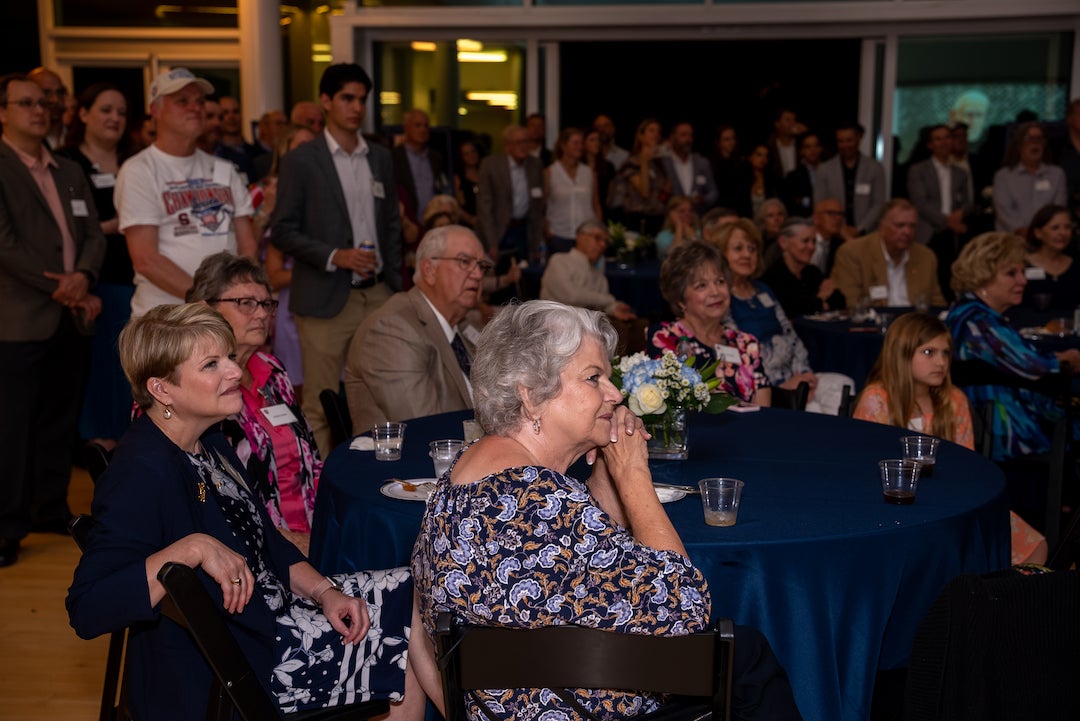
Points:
(740, 380)
(528, 547)
(314, 668)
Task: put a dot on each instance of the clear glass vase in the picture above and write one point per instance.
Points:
(670, 434)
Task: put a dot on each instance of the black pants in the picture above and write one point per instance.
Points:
(41, 388)
(760, 687)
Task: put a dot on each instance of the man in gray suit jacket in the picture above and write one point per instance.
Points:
(337, 215)
(51, 249)
(510, 202)
(939, 212)
(941, 192)
(854, 179)
(412, 357)
(691, 174)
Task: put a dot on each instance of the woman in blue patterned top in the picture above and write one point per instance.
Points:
(756, 310)
(989, 279)
(508, 539)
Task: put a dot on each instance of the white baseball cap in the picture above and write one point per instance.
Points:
(174, 80)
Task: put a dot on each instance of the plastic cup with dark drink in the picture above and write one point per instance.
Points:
(899, 480)
(922, 449)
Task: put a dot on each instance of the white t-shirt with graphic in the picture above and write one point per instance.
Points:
(192, 201)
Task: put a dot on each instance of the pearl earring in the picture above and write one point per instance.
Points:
(167, 413)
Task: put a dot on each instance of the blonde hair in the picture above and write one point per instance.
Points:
(981, 259)
(156, 344)
(892, 371)
(721, 236)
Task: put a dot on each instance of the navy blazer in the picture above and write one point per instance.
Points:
(311, 221)
(145, 501)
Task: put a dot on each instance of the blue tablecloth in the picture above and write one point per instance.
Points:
(841, 346)
(835, 578)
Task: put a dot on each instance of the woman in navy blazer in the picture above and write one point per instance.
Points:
(175, 491)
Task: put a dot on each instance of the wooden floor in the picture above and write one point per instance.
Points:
(46, 671)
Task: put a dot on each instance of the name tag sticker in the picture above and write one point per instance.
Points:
(766, 300)
(278, 415)
(728, 354)
(78, 208)
(1042, 185)
(862, 188)
(222, 172)
(879, 292)
(103, 180)
(1035, 273)
(471, 334)
(699, 180)
(377, 189)
(536, 192)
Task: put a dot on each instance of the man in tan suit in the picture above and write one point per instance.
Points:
(887, 267)
(412, 356)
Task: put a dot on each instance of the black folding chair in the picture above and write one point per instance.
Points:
(847, 402)
(113, 707)
(235, 684)
(795, 400)
(337, 417)
(560, 658)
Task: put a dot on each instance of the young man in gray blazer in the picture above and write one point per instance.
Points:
(51, 249)
(856, 180)
(337, 215)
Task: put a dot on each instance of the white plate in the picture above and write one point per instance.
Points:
(669, 495)
(395, 489)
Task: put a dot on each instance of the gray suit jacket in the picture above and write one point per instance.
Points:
(399, 365)
(30, 244)
(495, 201)
(311, 221)
(924, 191)
(829, 183)
(703, 182)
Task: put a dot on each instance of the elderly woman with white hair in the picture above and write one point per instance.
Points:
(543, 396)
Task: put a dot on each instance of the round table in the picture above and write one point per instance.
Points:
(835, 578)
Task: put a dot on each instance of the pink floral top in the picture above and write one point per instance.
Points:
(740, 380)
(281, 460)
(874, 406)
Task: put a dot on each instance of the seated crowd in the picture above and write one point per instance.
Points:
(231, 282)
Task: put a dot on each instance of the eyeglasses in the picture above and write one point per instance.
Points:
(468, 263)
(247, 306)
(28, 103)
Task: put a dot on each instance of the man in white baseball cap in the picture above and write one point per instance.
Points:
(178, 204)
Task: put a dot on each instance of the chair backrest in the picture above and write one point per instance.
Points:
(113, 708)
(95, 459)
(337, 417)
(236, 685)
(1003, 646)
(795, 400)
(471, 658)
(847, 402)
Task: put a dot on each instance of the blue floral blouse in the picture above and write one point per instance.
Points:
(981, 333)
(528, 547)
(782, 353)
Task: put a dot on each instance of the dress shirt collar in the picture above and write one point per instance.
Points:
(448, 330)
(335, 147)
(45, 159)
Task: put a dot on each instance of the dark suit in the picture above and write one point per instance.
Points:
(495, 202)
(146, 500)
(310, 222)
(405, 181)
(924, 191)
(400, 365)
(799, 191)
(42, 354)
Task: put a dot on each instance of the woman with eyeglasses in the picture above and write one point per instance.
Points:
(270, 434)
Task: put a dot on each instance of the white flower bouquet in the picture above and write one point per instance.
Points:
(650, 385)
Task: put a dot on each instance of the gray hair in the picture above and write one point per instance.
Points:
(759, 216)
(221, 271)
(527, 346)
(433, 244)
(793, 224)
(591, 225)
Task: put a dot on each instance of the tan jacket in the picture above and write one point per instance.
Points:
(860, 264)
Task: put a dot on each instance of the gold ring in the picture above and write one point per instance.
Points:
(236, 582)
